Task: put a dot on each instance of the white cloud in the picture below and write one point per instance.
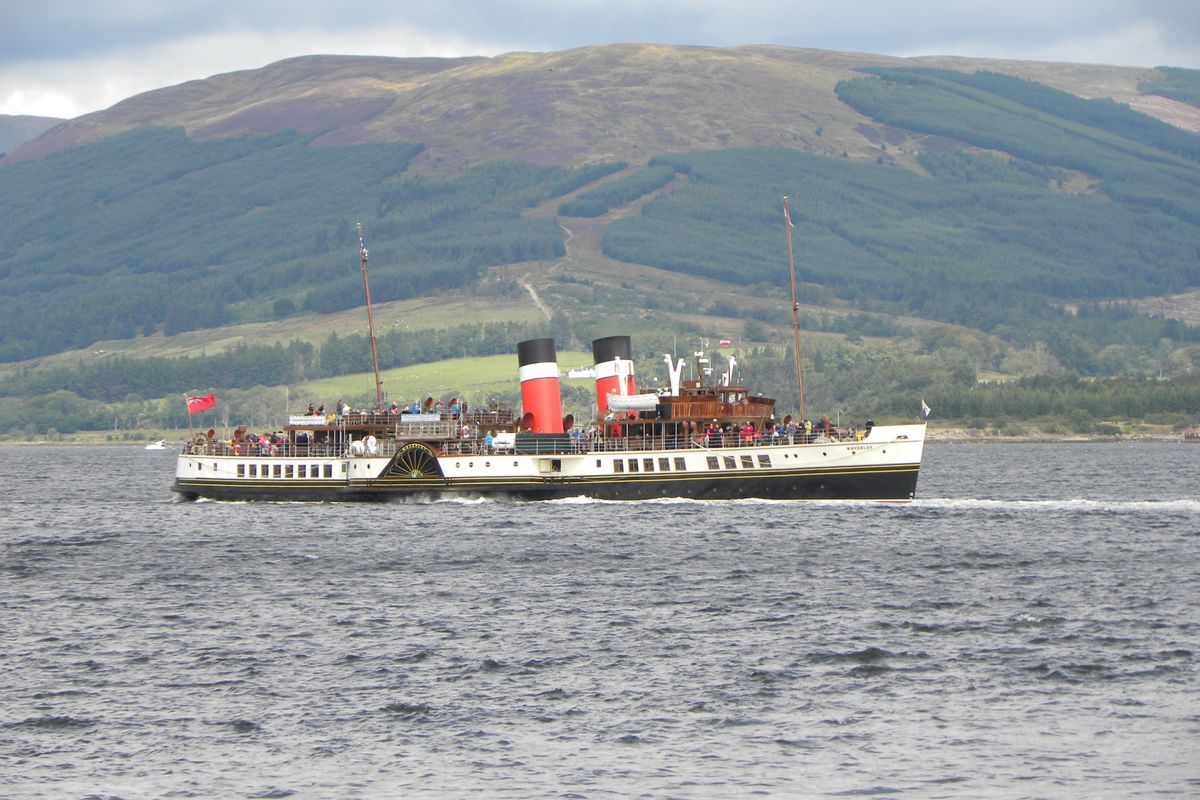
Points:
(1139, 45)
(69, 88)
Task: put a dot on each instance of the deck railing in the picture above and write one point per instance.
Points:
(447, 443)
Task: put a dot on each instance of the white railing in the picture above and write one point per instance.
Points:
(447, 443)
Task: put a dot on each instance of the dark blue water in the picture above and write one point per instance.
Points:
(1030, 627)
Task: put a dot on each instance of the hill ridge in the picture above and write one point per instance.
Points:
(528, 105)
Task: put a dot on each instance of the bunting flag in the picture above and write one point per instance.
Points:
(195, 404)
(925, 409)
(724, 343)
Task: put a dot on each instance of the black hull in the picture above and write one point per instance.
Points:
(896, 483)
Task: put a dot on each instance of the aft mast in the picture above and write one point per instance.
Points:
(787, 218)
(362, 252)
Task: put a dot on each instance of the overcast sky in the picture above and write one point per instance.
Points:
(62, 58)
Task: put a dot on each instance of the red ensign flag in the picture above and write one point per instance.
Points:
(195, 404)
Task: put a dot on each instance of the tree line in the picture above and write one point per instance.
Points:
(599, 201)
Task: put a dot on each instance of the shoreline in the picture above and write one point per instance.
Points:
(1154, 438)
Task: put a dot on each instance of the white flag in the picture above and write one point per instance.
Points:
(925, 409)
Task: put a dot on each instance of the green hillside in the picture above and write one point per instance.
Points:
(152, 232)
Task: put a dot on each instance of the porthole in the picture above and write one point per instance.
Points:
(487, 463)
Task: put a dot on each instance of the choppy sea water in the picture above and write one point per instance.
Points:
(1029, 627)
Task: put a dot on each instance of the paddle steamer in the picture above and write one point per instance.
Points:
(711, 440)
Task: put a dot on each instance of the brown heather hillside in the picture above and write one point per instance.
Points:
(612, 102)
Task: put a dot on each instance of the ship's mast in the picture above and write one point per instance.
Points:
(787, 218)
(362, 252)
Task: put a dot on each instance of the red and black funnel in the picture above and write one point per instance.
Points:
(613, 356)
(540, 395)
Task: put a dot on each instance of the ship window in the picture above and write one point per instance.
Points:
(288, 471)
(597, 463)
(747, 462)
(301, 470)
(278, 470)
(664, 464)
(647, 465)
(329, 470)
(633, 465)
(729, 462)
(680, 463)
(764, 460)
(618, 465)
(241, 470)
(254, 470)
(713, 463)
(265, 471)
(315, 471)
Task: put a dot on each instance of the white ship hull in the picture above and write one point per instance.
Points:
(883, 466)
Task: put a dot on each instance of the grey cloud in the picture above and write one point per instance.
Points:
(55, 29)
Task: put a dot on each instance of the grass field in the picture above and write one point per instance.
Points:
(475, 380)
(426, 313)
